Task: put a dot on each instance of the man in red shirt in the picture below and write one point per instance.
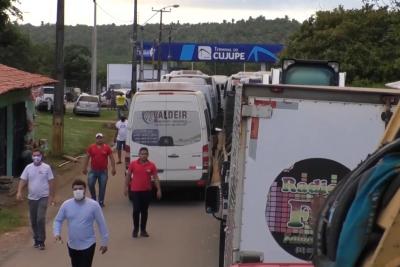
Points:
(99, 153)
(138, 185)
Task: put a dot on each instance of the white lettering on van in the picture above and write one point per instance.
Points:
(163, 115)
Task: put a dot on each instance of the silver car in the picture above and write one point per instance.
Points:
(87, 105)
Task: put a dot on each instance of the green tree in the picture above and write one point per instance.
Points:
(364, 41)
(77, 66)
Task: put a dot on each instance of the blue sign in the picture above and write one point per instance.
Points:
(255, 53)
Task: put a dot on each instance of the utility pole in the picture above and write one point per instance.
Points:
(141, 78)
(161, 10)
(58, 109)
(134, 51)
(94, 54)
(159, 46)
(169, 48)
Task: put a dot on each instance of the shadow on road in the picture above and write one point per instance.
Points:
(181, 197)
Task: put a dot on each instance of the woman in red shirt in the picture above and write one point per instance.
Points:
(139, 187)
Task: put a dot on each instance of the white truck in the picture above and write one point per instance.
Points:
(291, 145)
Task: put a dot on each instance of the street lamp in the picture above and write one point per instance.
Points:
(161, 10)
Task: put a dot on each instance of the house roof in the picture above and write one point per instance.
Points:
(14, 79)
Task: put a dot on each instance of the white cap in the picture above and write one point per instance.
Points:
(99, 135)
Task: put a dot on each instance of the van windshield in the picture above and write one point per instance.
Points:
(166, 127)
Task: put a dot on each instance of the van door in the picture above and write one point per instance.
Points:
(185, 152)
(148, 129)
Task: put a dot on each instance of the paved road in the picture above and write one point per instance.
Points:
(182, 235)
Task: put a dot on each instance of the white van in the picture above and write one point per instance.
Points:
(209, 90)
(171, 120)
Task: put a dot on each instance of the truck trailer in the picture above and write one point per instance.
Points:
(291, 145)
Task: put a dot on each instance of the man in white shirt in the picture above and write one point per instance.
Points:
(81, 213)
(39, 178)
(120, 135)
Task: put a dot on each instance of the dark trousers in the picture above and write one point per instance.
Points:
(37, 215)
(82, 258)
(140, 202)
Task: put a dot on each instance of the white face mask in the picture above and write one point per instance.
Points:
(79, 194)
(37, 159)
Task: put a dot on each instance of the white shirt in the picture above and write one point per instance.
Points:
(38, 178)
(122, 130)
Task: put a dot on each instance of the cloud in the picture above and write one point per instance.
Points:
(121, 11)
(261, 4)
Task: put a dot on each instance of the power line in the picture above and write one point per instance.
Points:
(150, 18)
(111, 16)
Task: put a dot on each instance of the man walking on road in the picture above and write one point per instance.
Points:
(99, 153)
(139, 187)
(39, 178)
(120, 135)
(81, 213)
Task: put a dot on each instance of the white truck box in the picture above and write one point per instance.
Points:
(291, 145)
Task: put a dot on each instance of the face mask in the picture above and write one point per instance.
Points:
(37, 159)
(79, 194)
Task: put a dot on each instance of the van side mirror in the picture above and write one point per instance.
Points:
(212, 199)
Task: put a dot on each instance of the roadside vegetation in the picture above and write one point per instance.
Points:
(79, 131)
(10, 219)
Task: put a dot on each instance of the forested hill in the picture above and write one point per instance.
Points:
(114, 45)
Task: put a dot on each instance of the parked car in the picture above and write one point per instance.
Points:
(45, 101)
(87, 105)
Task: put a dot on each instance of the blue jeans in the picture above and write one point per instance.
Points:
(102, 176)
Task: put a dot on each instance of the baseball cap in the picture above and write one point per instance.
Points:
(99, 135)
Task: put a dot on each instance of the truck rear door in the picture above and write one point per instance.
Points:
(297, 145)
(184, 154)
(147, 129)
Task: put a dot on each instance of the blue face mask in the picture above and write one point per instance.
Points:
(37, 159)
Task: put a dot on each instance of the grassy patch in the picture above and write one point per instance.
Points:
(9, 219)
(79, 131)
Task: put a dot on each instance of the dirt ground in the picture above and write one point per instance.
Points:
(11, 241)
(181, 233)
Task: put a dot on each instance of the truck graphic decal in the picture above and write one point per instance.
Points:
(294, 200)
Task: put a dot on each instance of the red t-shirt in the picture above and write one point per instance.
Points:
(98, 156)
(141, 175)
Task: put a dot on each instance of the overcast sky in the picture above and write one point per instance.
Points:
(121, 11)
